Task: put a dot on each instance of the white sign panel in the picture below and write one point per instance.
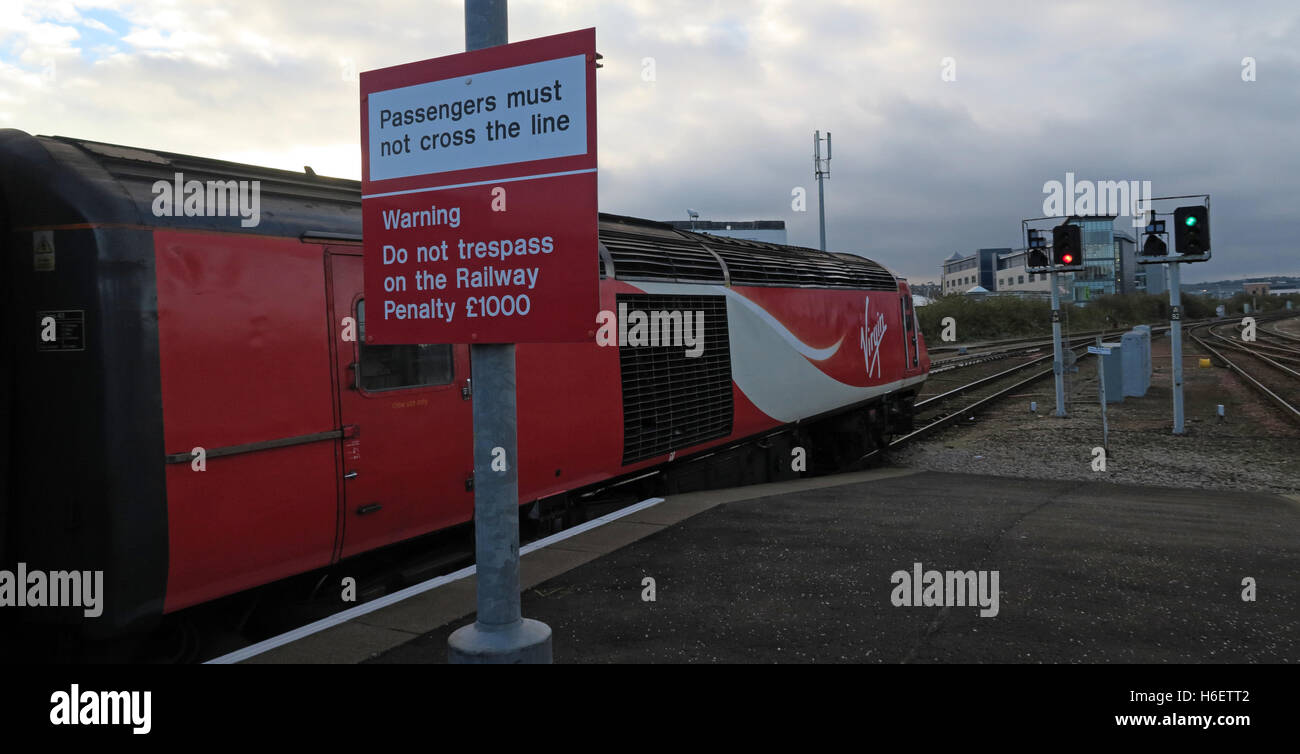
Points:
(528, 112)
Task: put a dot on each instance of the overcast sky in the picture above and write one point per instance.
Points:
(922, 167)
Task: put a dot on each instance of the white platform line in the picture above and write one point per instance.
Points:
(344, 616)
(479, 183)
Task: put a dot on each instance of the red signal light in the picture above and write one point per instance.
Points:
(1067, 258)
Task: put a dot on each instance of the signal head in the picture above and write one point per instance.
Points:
(1067, 251)
(1192, 231)
(1154, 247)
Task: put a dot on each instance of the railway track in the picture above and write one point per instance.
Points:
(933, 411)
(1281, 346)
(1010, 343)
(1027, 345)
(1271, 366)
(1274, 328)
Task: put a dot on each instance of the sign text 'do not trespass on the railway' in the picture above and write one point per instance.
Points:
(479, 195)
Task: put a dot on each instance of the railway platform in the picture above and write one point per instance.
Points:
(814, 571)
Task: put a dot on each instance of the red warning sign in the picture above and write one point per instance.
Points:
(479, 195)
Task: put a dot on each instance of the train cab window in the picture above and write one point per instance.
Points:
(396, 367)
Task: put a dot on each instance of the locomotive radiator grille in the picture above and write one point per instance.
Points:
(670, 400)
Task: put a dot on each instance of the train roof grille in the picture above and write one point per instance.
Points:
(655, 251)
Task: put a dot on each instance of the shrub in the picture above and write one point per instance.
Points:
(994, 317)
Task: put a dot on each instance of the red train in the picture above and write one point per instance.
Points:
(176, 333)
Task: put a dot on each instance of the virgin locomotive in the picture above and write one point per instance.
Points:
(186, 412)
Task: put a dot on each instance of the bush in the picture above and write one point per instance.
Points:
(985, 318)
(994, 317)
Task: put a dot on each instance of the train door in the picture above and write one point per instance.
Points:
(407, 426)
(911, 335)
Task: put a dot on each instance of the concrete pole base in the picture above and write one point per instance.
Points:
(525, 642)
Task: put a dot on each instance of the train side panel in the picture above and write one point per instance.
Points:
(793, 354)
(569, 413)
(797, 353)
(245, 358)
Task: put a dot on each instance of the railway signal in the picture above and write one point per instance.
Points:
(1192, 233)
(1067, 250)
(1191, 244)
(1038, 258)
(1154, 245)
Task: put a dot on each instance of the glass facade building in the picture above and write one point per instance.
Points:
(1100, 275)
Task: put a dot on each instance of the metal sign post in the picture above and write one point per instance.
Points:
(1039, 260)
(1099, 350)
(500, 633)
(1192, 239)
(1176, 342)
(1058, 362)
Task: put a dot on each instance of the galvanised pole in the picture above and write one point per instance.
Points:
(499, 634)
(1176, 341)
(821, 184)
(1058, 359)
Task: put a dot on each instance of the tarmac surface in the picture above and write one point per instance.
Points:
(802, 572)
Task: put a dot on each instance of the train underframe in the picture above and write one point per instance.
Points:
(830, 443)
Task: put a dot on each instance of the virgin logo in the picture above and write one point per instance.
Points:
(871, 335)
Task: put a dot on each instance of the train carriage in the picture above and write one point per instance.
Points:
(176, 333)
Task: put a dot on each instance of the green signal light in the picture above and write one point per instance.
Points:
(1190, 221)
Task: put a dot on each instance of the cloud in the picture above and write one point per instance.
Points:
(923, 167)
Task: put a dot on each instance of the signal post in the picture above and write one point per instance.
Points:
(1191, 244)
(1064, 255)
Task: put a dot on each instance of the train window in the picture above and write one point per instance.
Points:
(396, 367)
